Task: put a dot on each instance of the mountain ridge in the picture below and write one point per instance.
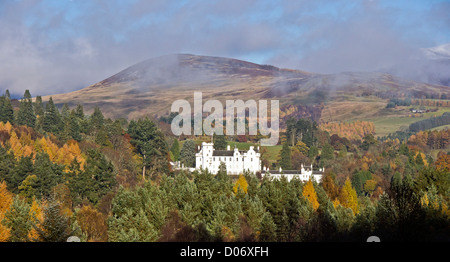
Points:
(148, 88)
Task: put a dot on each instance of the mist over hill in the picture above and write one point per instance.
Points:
(150, 87)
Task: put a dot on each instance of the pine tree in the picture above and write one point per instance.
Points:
(150, 143)
(187, 153)
(48, 174)
(23, 169)
(52, 121)
(74, 127)
(285, 157)
(56, 226)
(26, 115)
(175, 149)
(97, 119)
(220, 143)
(38, 106)
(7, 166)
(268, 229)
(6, 110)
(19, 220)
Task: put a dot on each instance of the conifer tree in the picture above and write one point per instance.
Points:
(74, 127)
(150, 144)
(175, 149)
(52, 121)
(220, 143)
(26, 115)
(187, 153)
(38, 106)
(56, 226)
(268, 229)
(285, 157)
(6, 110)
(19, 220)
(97, 119)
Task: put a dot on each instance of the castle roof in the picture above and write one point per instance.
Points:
(223, 153)
(290, 172)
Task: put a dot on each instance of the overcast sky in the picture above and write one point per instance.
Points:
(56, 46)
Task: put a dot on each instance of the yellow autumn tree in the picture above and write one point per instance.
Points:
(6, 199)
(16, 146)
(242, 184)
(348, 197)
(310, 193)
(38, 215)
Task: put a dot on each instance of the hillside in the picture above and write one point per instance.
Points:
(150, 87)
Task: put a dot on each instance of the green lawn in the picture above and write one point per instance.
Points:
(389, 123)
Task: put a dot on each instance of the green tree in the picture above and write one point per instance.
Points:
(38, 106)
(268, 229)
(23, 169)
(6, 110)
(150, 143)
(48, 174)
(327, 152)
(285, 157)
(7, 167)
(56, 226)
(97, 119)
(187, 153)
(20, 220)
(26, 115)
(52, 121)
(101, 175)
(220, 143)
(175, 149)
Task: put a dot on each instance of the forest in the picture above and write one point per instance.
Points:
(66, 173)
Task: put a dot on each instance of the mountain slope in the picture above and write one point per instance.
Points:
(150, 87)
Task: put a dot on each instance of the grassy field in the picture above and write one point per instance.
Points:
(441, 128)
(373, 109)
(390, 123)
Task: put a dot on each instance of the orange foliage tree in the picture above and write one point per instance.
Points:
(6, 199)
(348, 197)
(310, 193)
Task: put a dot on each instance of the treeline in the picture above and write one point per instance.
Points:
(436, 102)
(431, 139)
(430, 123)
(393, 102)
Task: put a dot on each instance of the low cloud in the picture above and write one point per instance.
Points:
(67, 45)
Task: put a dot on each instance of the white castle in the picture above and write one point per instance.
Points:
(235, 160)
(238, 161)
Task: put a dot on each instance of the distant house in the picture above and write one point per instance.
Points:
(304, 174)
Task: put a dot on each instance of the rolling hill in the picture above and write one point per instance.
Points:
(150, 87)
